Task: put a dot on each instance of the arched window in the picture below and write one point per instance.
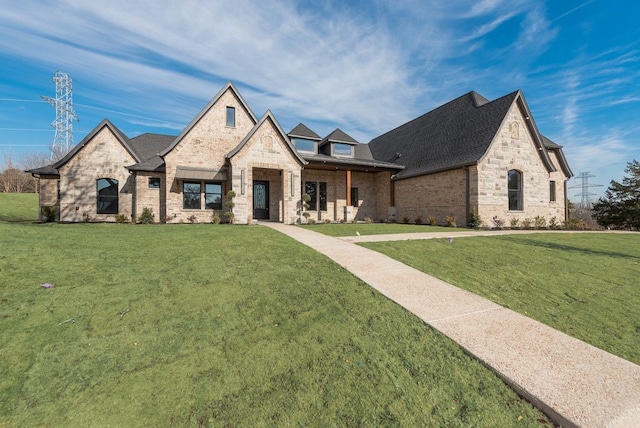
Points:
(515, 190)
(107, 195)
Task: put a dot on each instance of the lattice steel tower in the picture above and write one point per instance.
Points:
(65, 115)
(585, 188)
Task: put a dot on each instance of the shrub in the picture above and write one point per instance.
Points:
(418, 220)
(498, 223)
(451, 221)
(514, 222)
(215, 218)
(368, 220)
(311, 221)
(432, 220)
(326, 221)
(230, 204)
(86, 217)
(49, 214)
(475, 221)
(540, 222)
(553, 223)
(405, 219)
(121, 219)
(527, 223)
(147, 216)
(192, 218)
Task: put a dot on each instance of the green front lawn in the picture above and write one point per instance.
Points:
(16, 207)
(203, 325)
(583, 284)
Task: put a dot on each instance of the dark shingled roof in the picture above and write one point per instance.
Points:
(301, 131)
(453, 135)
(149, 145)
(338, 136)
(549, 144)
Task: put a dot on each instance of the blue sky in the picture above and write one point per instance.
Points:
(363, 66)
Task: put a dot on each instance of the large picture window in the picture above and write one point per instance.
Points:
(107, 195)
(213, 196)
(515, 190)
(191, 195)
(318, 193)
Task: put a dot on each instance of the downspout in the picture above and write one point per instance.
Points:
(566, 203)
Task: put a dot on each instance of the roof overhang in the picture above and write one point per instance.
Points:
(187, 173)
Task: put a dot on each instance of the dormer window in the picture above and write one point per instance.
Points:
(342, 150)
(231, 117)
(305, 145)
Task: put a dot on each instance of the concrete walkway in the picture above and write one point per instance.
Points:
(573, 382)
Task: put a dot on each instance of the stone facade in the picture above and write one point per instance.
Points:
(266, 156)
(102, 157)
(204, 145)
(514, 149)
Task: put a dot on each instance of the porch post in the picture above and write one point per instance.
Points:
(348, 188)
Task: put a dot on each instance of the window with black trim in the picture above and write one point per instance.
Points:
(552, 191)
(354, 197)
(515, 190)
(311, 189)
(213, 196)
(191, 195)
(231, 117)
(107, 192)
(154, 182)
(323, 196)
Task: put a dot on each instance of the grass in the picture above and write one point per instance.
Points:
(203, 325)
(585, 285)
(350, 229)
(16, 207)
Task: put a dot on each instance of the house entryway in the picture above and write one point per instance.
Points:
(261, 200)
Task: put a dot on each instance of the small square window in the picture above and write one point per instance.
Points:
(154, 182)
(231, 117)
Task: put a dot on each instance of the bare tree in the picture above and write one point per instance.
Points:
(13, 177)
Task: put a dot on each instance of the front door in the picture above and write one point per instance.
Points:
(261, 200)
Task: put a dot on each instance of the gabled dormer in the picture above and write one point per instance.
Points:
(338, 144)
(304, 139)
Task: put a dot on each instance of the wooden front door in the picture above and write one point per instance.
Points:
(261, 200)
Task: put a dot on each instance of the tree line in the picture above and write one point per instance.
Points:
(14, 179)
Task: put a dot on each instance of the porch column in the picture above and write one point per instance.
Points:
(348, 190)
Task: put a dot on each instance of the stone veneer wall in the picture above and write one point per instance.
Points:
(146, 197)
(102, 157)
(513, 148)
(205, 146)
(267, 155)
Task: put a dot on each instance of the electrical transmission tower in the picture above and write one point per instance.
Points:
(585, 188)
(65, 115)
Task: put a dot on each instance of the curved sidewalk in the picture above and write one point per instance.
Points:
(573, 382)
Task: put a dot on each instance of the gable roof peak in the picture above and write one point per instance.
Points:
(302, 131)
(203, 112)
(339, 136)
